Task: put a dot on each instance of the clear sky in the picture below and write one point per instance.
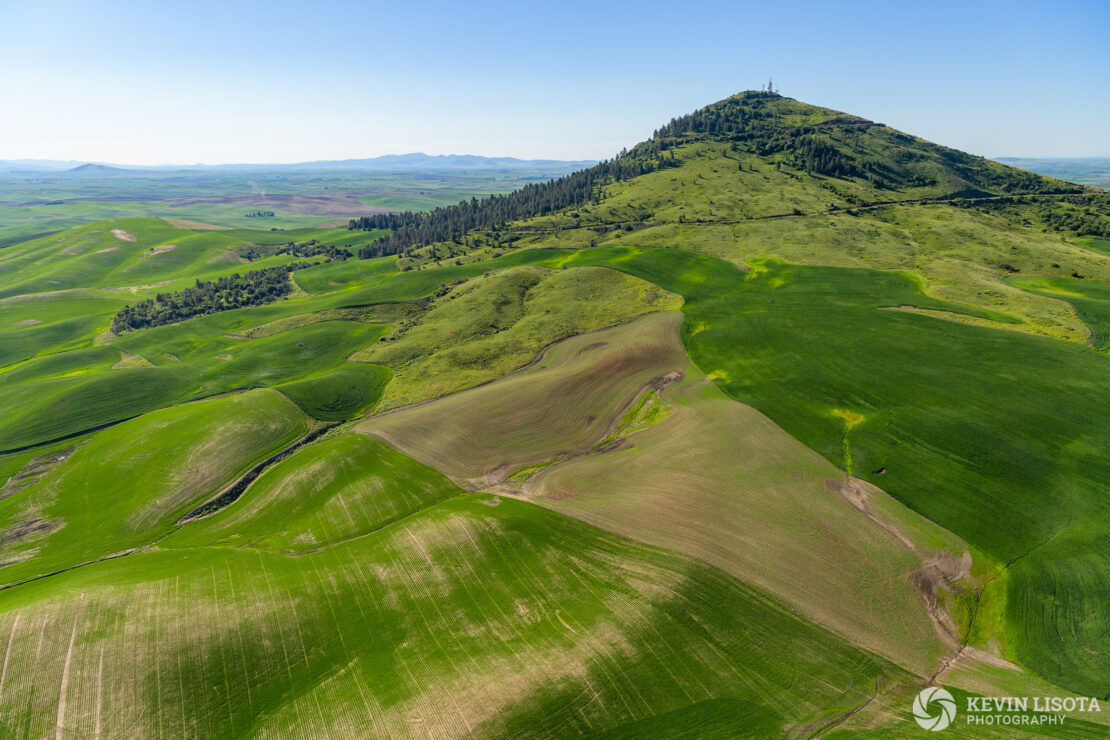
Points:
(148, 82)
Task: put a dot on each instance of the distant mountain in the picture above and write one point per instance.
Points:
(97, 171)
(420, 162)
(36, 165)
(415, 162)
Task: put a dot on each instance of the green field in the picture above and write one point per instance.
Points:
(495, 324)
(410, 628)
(785, 417)
(886, 395)
(632, 474)
(302, 201)
(125, 486)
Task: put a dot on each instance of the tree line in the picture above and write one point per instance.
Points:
(446, 223)
(208, 296)
(1084, 214)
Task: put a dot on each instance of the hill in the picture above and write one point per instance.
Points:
(753, 430)
(99, 171)
(822, 160)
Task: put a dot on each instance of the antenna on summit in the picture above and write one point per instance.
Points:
(771, 86)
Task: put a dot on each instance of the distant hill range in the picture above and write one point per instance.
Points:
(1085, 170)
(416, 162)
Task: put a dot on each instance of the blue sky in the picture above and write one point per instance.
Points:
(151, 82)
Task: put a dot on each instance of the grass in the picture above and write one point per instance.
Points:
(110, 254)
(43, 404)
(1097, 245)
(957, 253)
(730, 310)
(420, 620)
(939, 401)
(338, 394)
(891, 717)
(137, 257)
(699, 474)
(648, 411)
(126, 486)
(720, 482)
(1090, 299)
(565, 402)
(352, 590)
(57, 385)
(388, 313)
(492, 325)
(324, 494)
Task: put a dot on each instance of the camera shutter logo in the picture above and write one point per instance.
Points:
(934, 709)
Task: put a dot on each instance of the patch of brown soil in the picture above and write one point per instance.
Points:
(29, 529)
(33, 470)
(27, 322)
(158, 250)
(857, 492)
(563, 403)
(126, 236)
(182, 223)
(108, 249)
(938, 571)
(941, 571)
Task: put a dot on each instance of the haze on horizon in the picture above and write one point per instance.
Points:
(207, 82)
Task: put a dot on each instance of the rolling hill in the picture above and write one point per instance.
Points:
(754, 430)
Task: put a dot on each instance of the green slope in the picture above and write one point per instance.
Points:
(927, 409)
(467, 617)
(340, 488)
(126, 486)
(44, 404)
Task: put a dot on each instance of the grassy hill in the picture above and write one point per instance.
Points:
(753, 430)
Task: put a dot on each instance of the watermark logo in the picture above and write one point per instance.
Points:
(934, 709)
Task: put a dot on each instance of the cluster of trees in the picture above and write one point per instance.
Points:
(260, 214)
(252, 289)
(310, 248)
(820, 157)
(410, 229)
(1086, 214)
(736, 118)
(313, 248)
